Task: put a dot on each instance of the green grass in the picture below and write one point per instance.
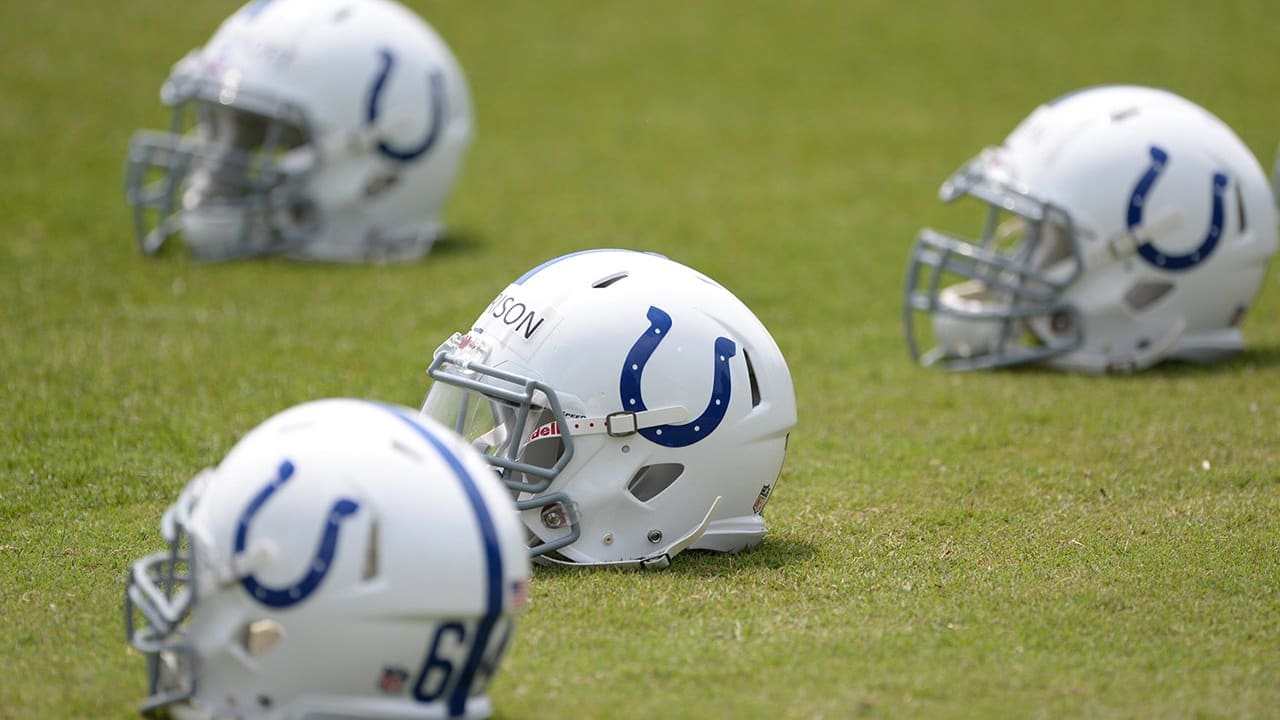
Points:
(1016, 544)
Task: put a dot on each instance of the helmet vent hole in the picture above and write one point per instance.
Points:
(1237, 316)
(406, 450)
(608, 280)
(651, 480)
(1125, 114)
(380, 184)
(371, 554)
(302, 214)
(751, 376)
(1143, 295)
(1244, 224)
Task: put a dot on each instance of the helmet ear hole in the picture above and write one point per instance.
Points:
(650, 480)
(1142, 295)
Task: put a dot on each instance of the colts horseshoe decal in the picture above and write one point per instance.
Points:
(629, 386)
(435, 106)
(1138, 199)
(280, 597)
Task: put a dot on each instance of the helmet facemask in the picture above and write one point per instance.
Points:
(229, 175)
(515, 421)
(161, 593)
(997, 300)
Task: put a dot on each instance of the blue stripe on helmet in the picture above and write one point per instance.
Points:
(520, 280)
(493, 561)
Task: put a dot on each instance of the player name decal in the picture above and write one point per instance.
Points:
(516, 315)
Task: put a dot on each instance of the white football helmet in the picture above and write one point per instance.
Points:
(1125, 226)
(634, 407)
(345, 560)
(327, 130)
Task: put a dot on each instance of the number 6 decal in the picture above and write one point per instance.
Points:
(437, 669)
(444, 670)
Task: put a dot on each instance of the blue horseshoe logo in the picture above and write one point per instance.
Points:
(691, 432)
(281, 597)
(1137, 201)
(435, 87)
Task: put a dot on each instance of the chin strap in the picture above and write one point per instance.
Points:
(625, 422)
(657, 561)
(1121, 245)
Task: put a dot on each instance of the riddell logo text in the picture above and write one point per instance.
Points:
(515, 315)
(551, 429)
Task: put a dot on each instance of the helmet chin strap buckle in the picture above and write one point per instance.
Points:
(626, 422)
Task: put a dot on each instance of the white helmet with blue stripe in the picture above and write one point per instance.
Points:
(634, 407)
(1125, 226)
(346, 559)
(327, 130)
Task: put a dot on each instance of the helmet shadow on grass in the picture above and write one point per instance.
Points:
(1249, 358)
(772, 554)
(457, 242)
(1264, 357)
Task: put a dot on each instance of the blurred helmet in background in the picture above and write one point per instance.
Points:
(328, 130)
(1125, 226)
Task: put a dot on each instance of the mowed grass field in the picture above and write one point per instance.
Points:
(1004, 545)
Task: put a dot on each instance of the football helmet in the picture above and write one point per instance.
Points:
(633, 406)
(328, 130)
(345, 560)
(1125, 226)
